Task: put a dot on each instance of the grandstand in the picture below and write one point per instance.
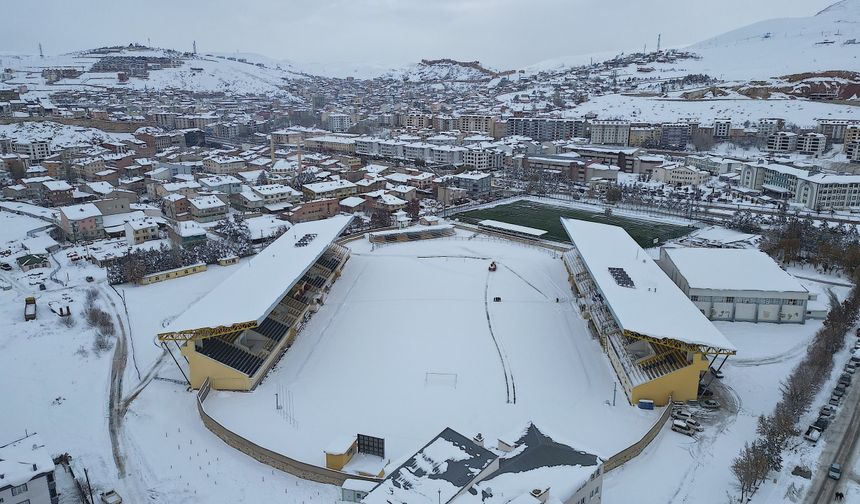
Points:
(240, 329)
(412, 234)
(657, 340)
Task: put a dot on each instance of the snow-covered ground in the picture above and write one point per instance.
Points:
(654, 109)
(403, 348)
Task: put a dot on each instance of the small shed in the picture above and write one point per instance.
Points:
(340, 451)
(354, 490)
(33, 261)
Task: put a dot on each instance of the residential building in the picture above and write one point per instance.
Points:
(675, 136)
(186, 233)
(476, 122)
(28, 472)
(337, 189)
(477, 184)
(769, 125)
(713, 164)
(82, 222)
(140, 230)
(207, 208)
(313, 210)
(722, 128)
(36, 150)
(224, 165)
(812, 144)
(546, 129)
(610, 132)
(332, 143)
(782, 142)
(339, 123)
(813, 189)
(835, 129)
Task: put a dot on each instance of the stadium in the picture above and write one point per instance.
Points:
(347, 354)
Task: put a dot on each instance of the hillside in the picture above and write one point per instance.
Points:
(148, 68)
(444, 70)
(826, 41)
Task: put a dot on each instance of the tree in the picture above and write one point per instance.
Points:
(413, 208)
(613, 194)
(380, 219)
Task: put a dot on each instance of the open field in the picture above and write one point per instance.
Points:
(546, 217)
(410, 341)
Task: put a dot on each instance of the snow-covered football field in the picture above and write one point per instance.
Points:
(410, 341)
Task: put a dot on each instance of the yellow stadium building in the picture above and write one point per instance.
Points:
(240, 329)
(656, 339)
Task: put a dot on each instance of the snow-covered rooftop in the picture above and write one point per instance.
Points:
(732, 269)
(251, 292)
(653, 306)
(504, 226)
(23, 460)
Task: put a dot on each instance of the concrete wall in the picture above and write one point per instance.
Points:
(276, 460)
(636, 448)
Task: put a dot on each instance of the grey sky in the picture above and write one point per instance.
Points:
(500, 33)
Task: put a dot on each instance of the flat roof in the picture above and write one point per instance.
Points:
(252, 291)
(504, 226)
(654, 306)
(732, 269)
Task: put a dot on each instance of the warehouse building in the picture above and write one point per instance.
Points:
(743, 285)
(656, 339)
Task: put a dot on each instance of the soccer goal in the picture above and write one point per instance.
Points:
(448, 380)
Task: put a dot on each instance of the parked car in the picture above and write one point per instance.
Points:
(692, 422)
(850, 368)
(711, 404)
(838, 392)
(682, 427)
(717, 373)
(5, 267)
(822, 423)
(111, 497)
(89, 278)
(841, 387)
(826, 410)
(834, 400)
(812, 434)
(681, 414)
(835, 471)
(845, 379)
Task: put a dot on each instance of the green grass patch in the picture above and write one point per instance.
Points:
(546, 217)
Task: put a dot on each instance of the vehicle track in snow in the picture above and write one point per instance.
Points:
(510, 384)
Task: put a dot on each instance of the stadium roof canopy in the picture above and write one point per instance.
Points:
(249, 294)
(640, 296)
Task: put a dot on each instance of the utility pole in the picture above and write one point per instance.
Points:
(41, 54)
(195, 47)
(614, 390)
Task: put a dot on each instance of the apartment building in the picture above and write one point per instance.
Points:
(477, 184)
(545, 129)
(337, 189)
(82, 222)
(836, 129)
(769, 125)
(339, 123)
(610, 132)
(36, 150)
(207, 208)
(675, 136)
(476, 122)
(722, 128)
(815, 190)
(138, 231)
(812, 144)
(224, 165)
(332, 143)
(680, 175)
(782, 142)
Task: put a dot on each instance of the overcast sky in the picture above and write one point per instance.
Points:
(501, 33)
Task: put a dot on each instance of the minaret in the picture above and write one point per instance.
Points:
(41, 54)
(195, 47)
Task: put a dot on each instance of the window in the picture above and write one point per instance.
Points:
(18, 490)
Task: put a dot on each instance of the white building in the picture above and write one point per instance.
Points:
(28, 472)
(722, 128)
(140, 230)
(339, 123)
(610, 132)
(736, 284)
(770, 125)
(813, 189)
(812, 144)
(713, 164)
(37, 150)
(677, 174)
(782, 142)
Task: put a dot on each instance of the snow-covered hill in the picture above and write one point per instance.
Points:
(238, 73)
(785, 46)
(443, 70)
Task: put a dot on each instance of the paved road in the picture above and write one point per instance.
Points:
(845, 431)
